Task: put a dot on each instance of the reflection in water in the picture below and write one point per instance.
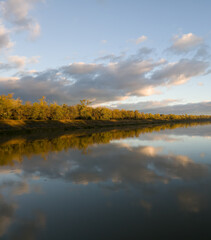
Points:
(14, 149)
(134, 183)
(7, 214)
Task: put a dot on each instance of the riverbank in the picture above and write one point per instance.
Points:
(28, 125)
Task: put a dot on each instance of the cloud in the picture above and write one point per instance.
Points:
(180, 72)
(72, 82)
(133, 75)
(142, 53)
(5, 41)
(110, 78)
(148, 91)
(142, 105)
(81, 68)
(185, 43)
(140, 39)
(190, 108)
(17, 13)
(18, 62)
(8, 79)
(111, 57)
(203, 52)
(166, 106)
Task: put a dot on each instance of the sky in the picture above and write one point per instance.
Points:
(153, 56)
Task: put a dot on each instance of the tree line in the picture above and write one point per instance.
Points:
(15, 109)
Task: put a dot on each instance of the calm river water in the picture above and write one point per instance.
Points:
(149, 183)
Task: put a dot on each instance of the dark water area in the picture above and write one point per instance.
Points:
(149, 183)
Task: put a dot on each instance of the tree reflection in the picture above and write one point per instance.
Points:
(13, 150)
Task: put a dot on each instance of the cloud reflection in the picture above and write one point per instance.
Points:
(114, 167)
(120, 163)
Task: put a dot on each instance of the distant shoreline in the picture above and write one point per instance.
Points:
(28, 125)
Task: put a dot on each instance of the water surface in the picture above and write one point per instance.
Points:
(149, 183)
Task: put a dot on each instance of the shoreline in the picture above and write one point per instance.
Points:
(12, 126)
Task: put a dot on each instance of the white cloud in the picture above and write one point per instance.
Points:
(142, 105)
(5, 41)
(148, 91)
(141, 39)
(17, 12)
(8, 79)
(17, 61)
(185, 43)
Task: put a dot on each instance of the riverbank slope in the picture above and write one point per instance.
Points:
(21, 125)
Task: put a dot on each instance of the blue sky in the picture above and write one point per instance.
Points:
(145, 55)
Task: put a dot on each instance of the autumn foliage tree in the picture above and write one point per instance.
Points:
(15, 109)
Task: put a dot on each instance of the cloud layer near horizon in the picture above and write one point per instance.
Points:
(163, 107)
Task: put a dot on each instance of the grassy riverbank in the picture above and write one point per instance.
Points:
(26, 125)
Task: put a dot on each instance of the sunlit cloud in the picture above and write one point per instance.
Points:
(17, 62)
(180, 72)
(185, 43)
(17, 13)
(141, 39)
(133, 75)
(8, 79)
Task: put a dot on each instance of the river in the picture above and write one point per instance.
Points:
(138, 183)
